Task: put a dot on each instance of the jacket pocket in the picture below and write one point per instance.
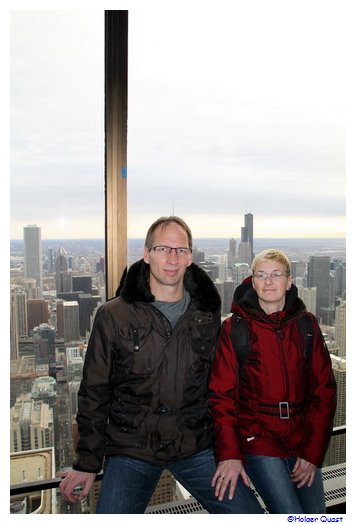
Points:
(135, 351)
(128, 420)
(202, 342)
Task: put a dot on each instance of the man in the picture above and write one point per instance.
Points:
(143, 399)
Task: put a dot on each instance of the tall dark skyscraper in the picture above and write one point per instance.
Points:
(33, 256)
(45, 347)
(63, 277)
(319, 277)
(249, 230)
(246, 245)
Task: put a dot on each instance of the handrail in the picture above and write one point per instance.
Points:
(42, 484)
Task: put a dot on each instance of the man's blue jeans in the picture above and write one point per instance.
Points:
(128, 485)
(271, 478)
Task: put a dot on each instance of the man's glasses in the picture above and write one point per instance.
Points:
(275, 275)
(167, 250)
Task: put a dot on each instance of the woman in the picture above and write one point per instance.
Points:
(274, 418)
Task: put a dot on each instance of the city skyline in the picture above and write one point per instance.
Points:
(60, 323)
(217, 126)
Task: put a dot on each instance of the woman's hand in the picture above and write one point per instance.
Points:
(226, 476)
(303, 473)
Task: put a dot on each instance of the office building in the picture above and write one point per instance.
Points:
(82, 283)
(50, 260)
(14, 339)
(248, 231)
(165, 490)
(63, 276)
(240, 271)
(31, 425)
(340, 328)
(229, 288)
(75, 369)
(33, 256)
(340, 279)
(308, 296)
(37, 313)
(23, 372)
(245, 249)
(19, 299)
(298, 269)
(59, 304)
(45, 348)
(70, 321)
(232, 252)
(87, 304)
(319, 277)
(73, 388)
(245, 253)
(336, 453)
(30, 287)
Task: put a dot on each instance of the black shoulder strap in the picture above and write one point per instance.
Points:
(305, 325)
(240, 339)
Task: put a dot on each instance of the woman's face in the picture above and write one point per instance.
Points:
(271, 283)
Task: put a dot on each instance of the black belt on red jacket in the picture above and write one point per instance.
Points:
(283, 410)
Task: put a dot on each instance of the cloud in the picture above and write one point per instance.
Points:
(229, 109)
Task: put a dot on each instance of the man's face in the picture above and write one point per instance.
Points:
(167, 270)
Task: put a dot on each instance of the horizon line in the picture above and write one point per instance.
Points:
(197, 237)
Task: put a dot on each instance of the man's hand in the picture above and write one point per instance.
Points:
(303, 473)
(76, 484)
(228, 472)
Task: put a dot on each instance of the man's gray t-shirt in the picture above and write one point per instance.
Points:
(173, 310)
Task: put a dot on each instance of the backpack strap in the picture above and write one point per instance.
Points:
(241, 339)
(306, 328)
(240, 333)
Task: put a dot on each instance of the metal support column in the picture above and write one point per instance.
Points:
(116, 58)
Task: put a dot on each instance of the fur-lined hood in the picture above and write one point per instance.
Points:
(134, 286)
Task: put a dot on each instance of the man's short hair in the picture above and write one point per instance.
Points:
(164, 222)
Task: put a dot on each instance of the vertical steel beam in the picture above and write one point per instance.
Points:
(116, 59)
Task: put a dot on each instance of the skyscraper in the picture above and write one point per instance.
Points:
(336, 453)
(82, 283)
(308, 296)
(246, 253)
(63, 277)
(340, 328)
(319, 277)
(232, 252)
(249, 231)
(37, 313)
(45, 347)
(33, 256)
(19, 298)
(31, 425)
(14, 338)
(70, 320)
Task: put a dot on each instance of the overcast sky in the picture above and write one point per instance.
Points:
(234, 107)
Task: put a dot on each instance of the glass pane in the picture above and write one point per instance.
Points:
(236, 124)
(57, 234)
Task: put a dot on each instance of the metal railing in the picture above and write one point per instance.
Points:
(44, 484)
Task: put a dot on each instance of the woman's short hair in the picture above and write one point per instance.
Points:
(164, 222)
(272, 254)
